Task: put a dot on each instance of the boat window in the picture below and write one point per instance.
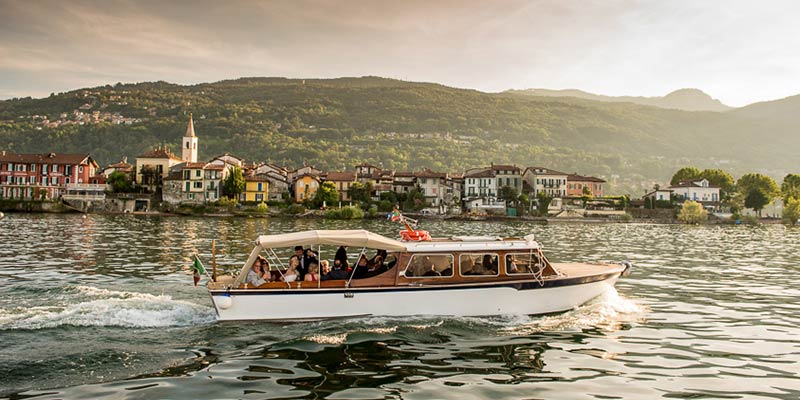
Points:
(479, 264)
(523, 263)
(430, 266)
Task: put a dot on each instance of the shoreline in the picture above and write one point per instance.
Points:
(459, 218)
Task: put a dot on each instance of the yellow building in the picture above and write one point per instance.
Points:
(305, 187)
(256, 189)
(152, 167)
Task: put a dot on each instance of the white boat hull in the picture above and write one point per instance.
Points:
(470, 300)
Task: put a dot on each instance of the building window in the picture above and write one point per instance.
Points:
(259, 186)
(198, 185)
(198, 173)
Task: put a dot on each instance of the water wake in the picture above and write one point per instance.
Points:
(102, 307)
(608, 312)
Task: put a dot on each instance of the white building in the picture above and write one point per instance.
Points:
(701, 191)
(435, 188)
(551, 182)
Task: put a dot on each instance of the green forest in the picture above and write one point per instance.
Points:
(337, 123)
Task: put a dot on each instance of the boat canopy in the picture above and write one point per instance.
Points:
(355, 238)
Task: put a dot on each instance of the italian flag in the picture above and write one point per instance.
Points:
(198, 269)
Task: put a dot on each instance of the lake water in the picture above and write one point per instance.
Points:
(103, 307)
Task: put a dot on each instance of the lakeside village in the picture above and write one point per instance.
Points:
(161, 182)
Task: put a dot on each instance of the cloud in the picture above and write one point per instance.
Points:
(735, 50)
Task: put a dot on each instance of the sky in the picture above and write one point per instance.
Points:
(737, 51)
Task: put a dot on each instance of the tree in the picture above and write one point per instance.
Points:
(692, 212)
(415, 199)
(758, 191)
(361, 191)
(524, 203)
(543, 203)
(790, 188)
(326, 194)
(791, 211)
(234, 183)
(685, 173)
(757, 199)
(119, 182)
(724, 180)
(508, 194)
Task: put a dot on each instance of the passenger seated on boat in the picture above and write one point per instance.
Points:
(291, 273)
(377, 259)
(478, 266)
(376, 266)
(467, 265)
(313, 273)
(361, 268)
(341, 256)
(257, 276)
(325, 269)
(432, 272)
(511, 265)
(338, 271)
(490, 264)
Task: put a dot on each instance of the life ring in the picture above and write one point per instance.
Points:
(416, 236)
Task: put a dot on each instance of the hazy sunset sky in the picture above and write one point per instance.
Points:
(739, 52)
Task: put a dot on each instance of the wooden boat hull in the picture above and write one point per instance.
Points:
(478, 299)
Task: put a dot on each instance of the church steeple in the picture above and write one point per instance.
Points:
(190, 128)
(189, 153)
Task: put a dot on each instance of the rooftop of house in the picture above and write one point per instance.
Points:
(339, 176)
(46, 158)
(160, 153)
(573, 177)
(500, 167)
(481, 173)
(194, 165)
(544, 171)
(693, 183)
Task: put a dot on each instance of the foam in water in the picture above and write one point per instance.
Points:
(112, 308)
(607, 311)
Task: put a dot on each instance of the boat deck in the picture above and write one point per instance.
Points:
(575, 270)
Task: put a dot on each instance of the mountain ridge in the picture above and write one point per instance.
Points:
(336, 123)
(686, 99)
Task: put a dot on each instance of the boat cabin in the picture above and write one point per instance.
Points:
(460, 260)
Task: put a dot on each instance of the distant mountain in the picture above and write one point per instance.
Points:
(337, 123)
(682, 99)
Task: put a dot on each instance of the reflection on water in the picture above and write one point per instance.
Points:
(103, 307)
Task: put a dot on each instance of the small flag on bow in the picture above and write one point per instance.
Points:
(198, 269)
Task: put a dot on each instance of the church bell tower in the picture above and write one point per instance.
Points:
(189, 145)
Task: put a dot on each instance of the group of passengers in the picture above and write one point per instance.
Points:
(442, 266)
(305, 266)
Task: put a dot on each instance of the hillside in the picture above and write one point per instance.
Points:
(335, 123)
(682, 99)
